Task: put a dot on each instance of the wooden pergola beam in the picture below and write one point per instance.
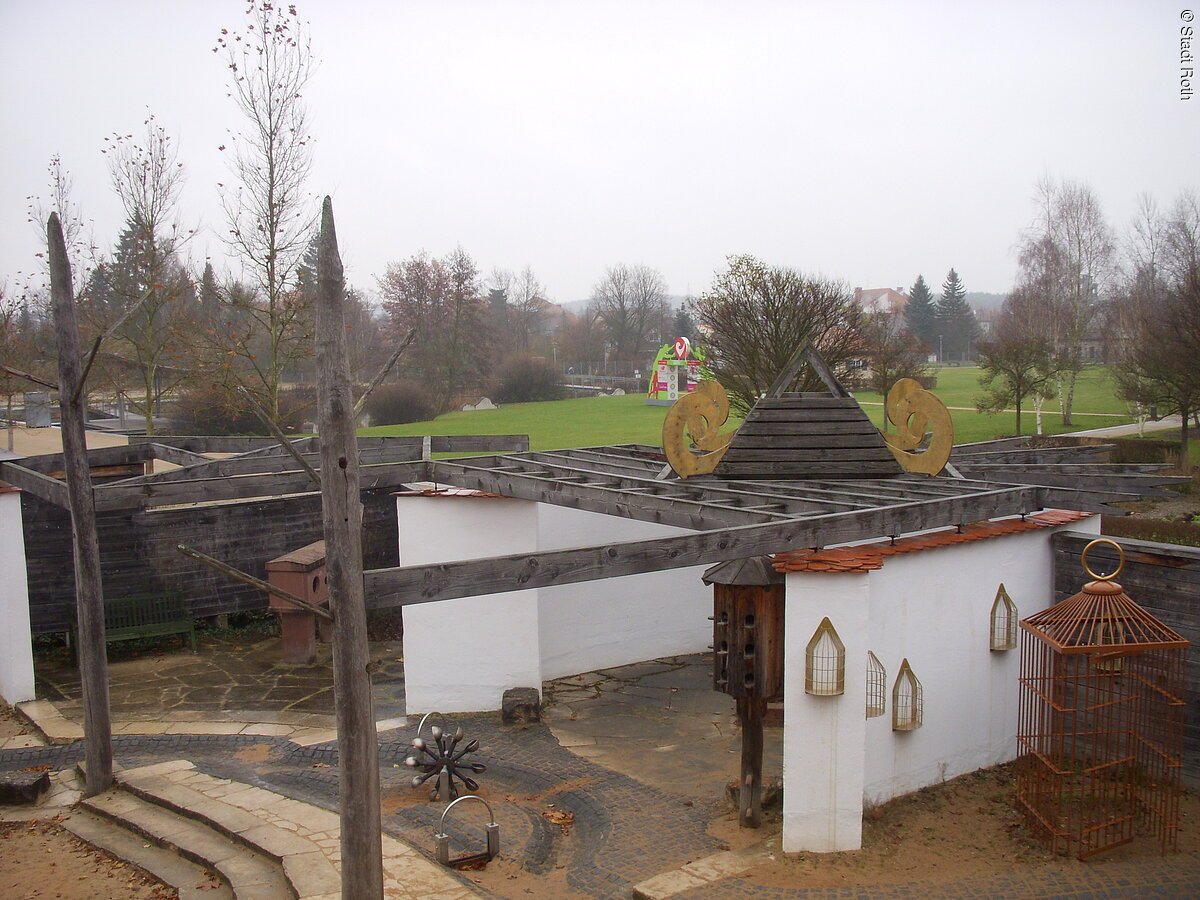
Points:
(409, 585)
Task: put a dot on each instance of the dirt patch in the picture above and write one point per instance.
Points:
(966, 828)
(255, 753)
(40, 859)
(10, 725)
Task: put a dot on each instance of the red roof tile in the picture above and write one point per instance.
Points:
(868, 557)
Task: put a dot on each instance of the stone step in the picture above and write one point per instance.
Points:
(191, 881)
(249, 875)
(300, 841)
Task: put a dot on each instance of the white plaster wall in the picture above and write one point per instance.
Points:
(933, 608)
(824, 737)
(461, 655)
(16, 644)
(616, 621)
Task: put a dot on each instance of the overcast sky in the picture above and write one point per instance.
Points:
(869, 142)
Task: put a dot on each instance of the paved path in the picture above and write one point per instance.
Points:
(639, 808)
(1166, 423)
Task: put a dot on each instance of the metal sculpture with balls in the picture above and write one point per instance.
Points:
(442, 759)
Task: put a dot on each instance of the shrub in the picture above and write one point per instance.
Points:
(215, 409)
(1157, 530)
(398, 403)
(524, 378)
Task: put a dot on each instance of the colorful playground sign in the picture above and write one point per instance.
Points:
(675, 373)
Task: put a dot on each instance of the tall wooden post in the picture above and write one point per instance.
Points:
(341, 506)
(89, 591)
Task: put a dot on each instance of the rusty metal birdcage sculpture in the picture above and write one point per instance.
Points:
(1100, 736)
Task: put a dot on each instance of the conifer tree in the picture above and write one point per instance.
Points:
(957, 328)
(920, 313)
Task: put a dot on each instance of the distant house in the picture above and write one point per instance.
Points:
(879, 298)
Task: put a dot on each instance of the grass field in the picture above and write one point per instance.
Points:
(596, 421)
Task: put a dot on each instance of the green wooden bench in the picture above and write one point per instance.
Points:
(144, 615)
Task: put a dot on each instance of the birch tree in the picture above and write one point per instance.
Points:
(270, 217)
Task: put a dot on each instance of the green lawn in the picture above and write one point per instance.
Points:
(553, 425)
(1095, 406)
(595, 421)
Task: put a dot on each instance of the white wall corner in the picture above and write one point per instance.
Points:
(16, 639)
(824, 737)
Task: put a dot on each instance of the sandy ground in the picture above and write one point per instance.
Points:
(10, 725)
(39, 859)
(36, 441)
(967, 828)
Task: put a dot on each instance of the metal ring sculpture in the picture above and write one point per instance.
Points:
(441, 759)
(1120, 559)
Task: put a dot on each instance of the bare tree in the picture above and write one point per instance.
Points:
(1017, 359)
(147, 178)
(627, 299)
(1071, 230)
(755, 317)
(1157, 316)
(270, 218)
(891, 349)
(526, 308)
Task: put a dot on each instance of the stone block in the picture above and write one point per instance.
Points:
(520, 706)
(23, 787)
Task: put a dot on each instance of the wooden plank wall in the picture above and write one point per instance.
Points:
(1163, 578)
(137, 551)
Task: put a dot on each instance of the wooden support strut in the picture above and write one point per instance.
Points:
(89, 588)
(246, 578)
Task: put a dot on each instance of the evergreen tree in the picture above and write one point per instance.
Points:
(957, 328)
(210, 296)
(920, 313)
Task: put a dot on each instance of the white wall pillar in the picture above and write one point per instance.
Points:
(16, 641)
(461, 655)
(824, 737)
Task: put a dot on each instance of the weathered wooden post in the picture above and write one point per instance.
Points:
(748, 660)
(89, 591)
(341, 506)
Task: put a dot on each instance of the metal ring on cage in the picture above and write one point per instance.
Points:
(1120, 559)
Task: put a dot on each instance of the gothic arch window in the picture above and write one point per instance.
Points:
(876, 686)
(1004, 621)
(908, 707)
(825, 662)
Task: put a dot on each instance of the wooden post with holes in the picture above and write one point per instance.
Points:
(341, 507)
(89, 589)
(750, 712)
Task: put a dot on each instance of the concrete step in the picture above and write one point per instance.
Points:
(249, 875)
(191, 881)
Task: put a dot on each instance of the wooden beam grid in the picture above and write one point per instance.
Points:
(467, 578)
(713, 493)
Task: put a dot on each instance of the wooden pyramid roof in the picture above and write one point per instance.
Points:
(807, 435)
(814, 434)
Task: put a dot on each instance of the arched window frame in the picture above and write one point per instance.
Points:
(1003, 621)
(825, 673)
(876, 686)
(908, 702)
